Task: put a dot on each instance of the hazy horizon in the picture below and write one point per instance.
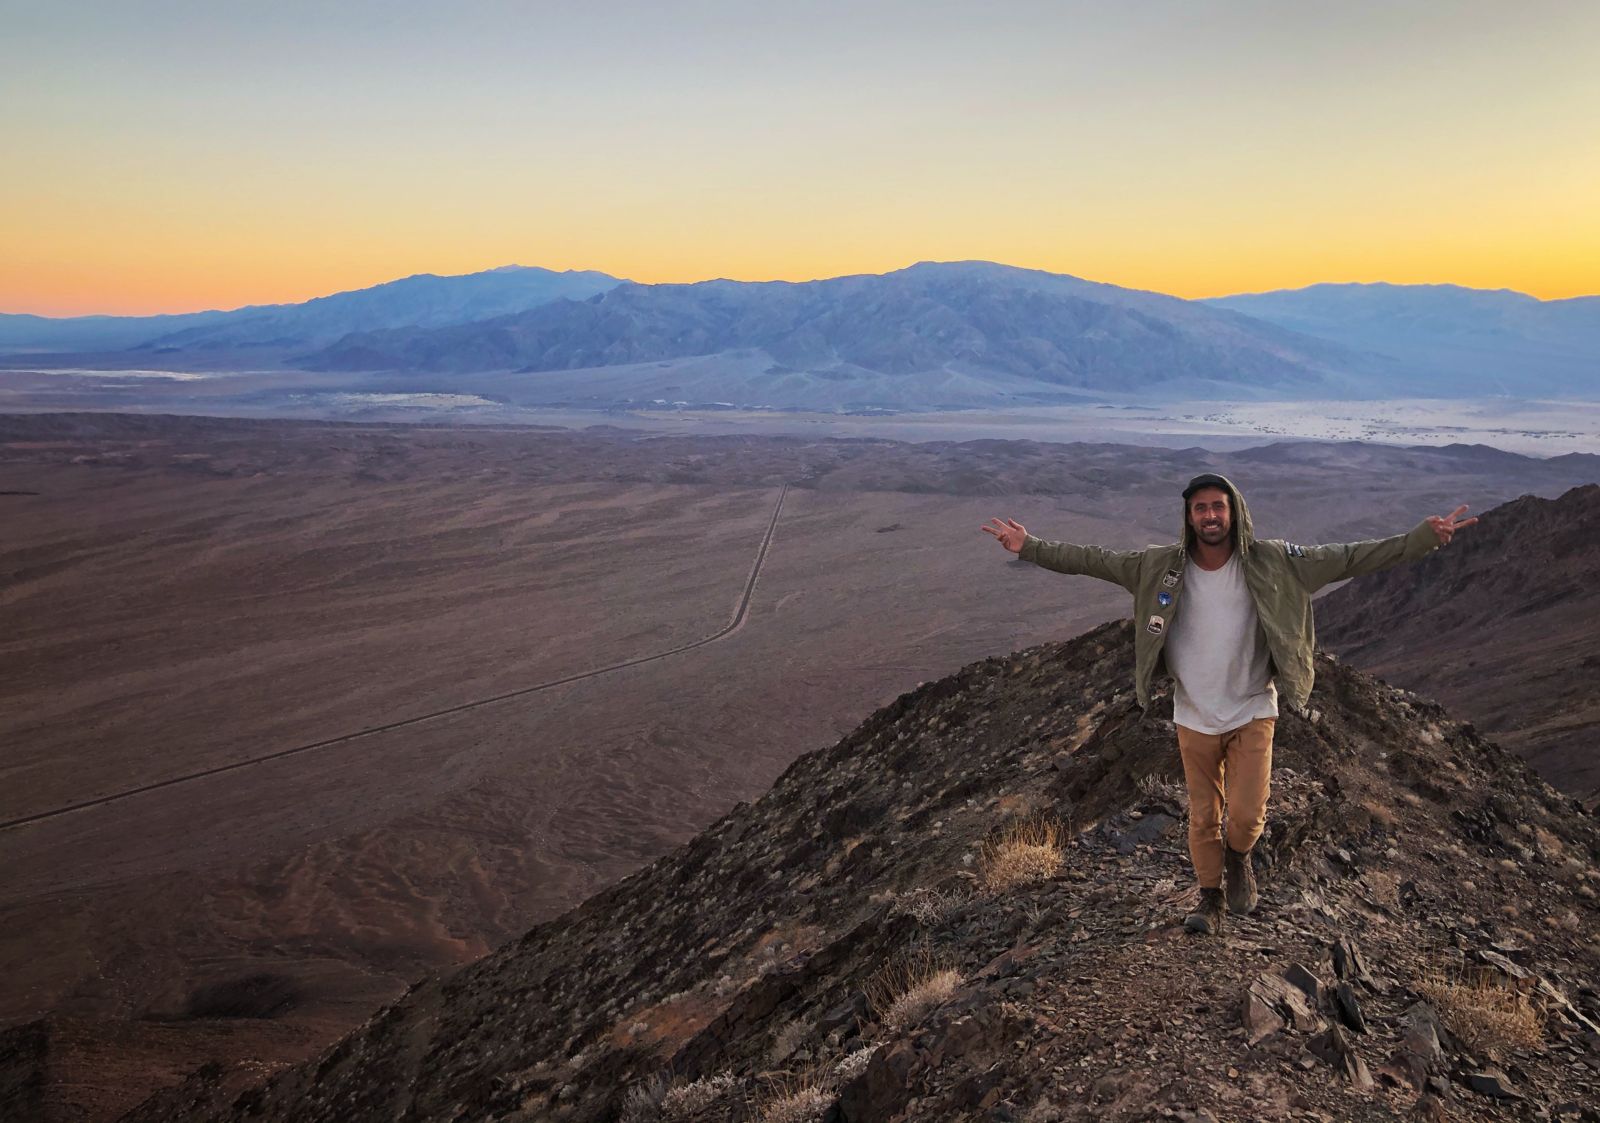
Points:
(761, 280)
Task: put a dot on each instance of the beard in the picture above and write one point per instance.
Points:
(1212, 535)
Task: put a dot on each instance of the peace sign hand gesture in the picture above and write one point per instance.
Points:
(1010, 533)
(1446, 527)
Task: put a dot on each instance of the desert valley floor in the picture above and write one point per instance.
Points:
(190, 596)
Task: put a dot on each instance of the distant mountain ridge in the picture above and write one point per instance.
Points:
(422, 300)
(935, 335)
(1460, 339)
(1006, 333)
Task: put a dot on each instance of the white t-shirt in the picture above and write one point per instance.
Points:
(1217, 652)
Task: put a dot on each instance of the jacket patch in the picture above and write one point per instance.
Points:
(1294, 551)
(1156, 626)
(1163, 598)
(1172, 578)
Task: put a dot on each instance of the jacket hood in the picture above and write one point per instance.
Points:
(1244, 536)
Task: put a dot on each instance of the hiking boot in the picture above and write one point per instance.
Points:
(1207, 917)
(1241, 880)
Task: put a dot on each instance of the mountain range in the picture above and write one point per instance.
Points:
(421, 301)
(1496, 341)
(935, 335)
(990, 331)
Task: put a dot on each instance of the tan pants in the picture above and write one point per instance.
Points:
(1242, 758)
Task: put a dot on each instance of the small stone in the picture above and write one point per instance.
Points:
(1305, 980)
(1431, 1108)
(1504, 965)
(1348, 1008)
(1347, 961)
(1334, 1046)
(1493, 1083)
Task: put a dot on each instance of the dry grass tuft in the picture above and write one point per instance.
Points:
(854, 1064)
(804, 1106)
(1024, 851)
(1170, 791)
(931, 908)
(1486, 1015)
(1379, 813)
(906, 991)
(643, 1102)
(1385, 888)
(802, 1098)
(691, 1101)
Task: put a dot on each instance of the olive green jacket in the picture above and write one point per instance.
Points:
(1281, 577)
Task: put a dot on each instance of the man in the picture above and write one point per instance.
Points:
(1243, 640)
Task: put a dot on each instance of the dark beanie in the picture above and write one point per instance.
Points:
(1206, 479)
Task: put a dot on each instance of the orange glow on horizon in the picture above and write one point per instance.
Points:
(149, 295)
(173, 160)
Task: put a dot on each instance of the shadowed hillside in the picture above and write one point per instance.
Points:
(970, 908)
(1500, 628)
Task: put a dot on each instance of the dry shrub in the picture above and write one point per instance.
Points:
(1160, 788)
(906, 991)
(931, 908)
(854, 1064)
(643, 1102)
(690, 1101)
(802, 1098)
(1025, 851)
(804, 1106)
(1554, 849)
(1379, 813)
(1385, 887)
(1486, 1015)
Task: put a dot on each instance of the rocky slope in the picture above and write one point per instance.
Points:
(753, 973)
(1499, 628)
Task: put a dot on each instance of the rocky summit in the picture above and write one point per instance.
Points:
(971, 907)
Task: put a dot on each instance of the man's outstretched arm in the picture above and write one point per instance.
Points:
(1319, 565)
(1120, 567)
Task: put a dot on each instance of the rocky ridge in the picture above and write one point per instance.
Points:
(1499, 627)
(749, 974)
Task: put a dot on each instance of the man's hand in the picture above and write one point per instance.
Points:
(1011, 533)
(1446, 527)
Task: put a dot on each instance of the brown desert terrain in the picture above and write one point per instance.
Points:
(969, 910)
(1500, 630)
(246, 602)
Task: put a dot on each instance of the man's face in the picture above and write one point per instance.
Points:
(1210, 516)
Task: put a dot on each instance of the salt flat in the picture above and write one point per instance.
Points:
(1529, 427)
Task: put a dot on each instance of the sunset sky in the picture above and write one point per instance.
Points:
(167, 157)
